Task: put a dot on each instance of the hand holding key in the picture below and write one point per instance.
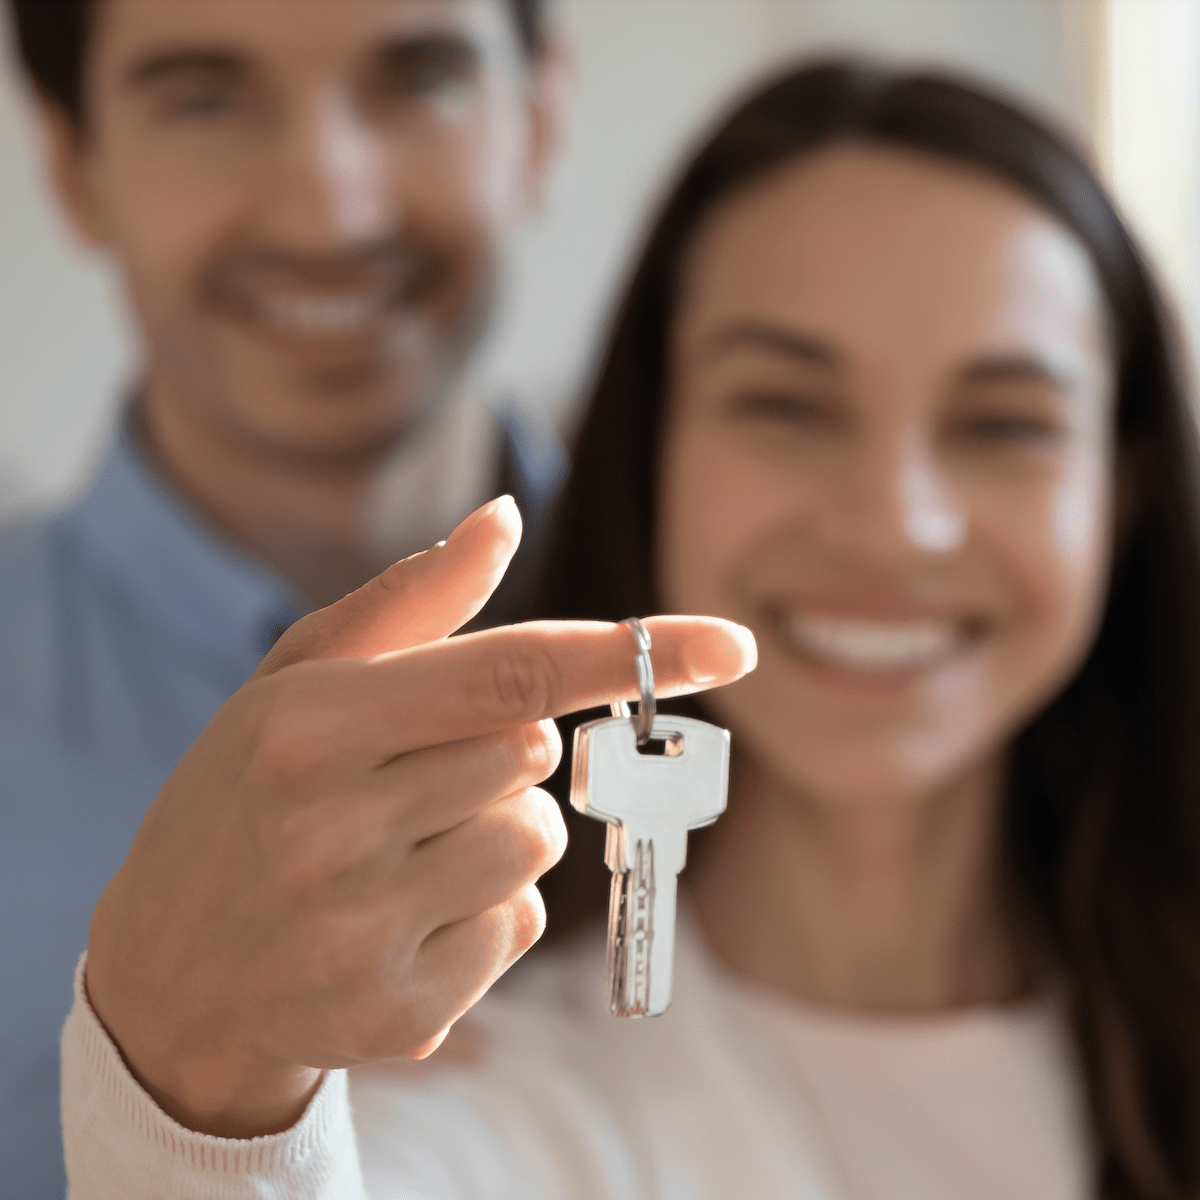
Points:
(345, 860)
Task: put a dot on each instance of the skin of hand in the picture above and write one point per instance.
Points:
(344, 861)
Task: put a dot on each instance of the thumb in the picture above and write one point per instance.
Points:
(420, 599)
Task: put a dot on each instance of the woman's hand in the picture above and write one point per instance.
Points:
(344, 861)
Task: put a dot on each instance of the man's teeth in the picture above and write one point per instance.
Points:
(349, 313)
(870, 645)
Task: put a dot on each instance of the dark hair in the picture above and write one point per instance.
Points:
(52, 40)
(1101, 813)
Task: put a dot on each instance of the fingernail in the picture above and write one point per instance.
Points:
(728, 652)
(506, 507)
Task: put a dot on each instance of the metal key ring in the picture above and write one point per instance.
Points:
(645, 671)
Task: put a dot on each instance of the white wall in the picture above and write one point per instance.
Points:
(650, 73)
(1149, 131)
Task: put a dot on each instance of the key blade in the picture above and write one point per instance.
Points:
(641, 918)
(631, 934)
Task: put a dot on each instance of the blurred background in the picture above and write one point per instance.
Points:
(1122, 75)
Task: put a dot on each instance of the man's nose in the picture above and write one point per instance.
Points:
(331, 188)
(896, 504)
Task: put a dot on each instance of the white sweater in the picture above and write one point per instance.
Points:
(733, 1093)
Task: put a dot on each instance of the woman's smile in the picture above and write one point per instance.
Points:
(871, 647)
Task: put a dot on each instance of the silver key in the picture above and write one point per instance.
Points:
(650, 801)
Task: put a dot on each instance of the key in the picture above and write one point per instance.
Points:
(650, 801)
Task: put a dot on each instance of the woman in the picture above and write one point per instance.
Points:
(769, 441)
(892, 387)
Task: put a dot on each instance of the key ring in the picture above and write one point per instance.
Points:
(646, 706)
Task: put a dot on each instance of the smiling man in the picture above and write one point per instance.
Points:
(309, 203)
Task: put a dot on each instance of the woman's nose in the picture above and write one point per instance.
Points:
(895, 504)
(933, 519)
(332, 189)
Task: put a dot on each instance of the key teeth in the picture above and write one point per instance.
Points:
(630, 928)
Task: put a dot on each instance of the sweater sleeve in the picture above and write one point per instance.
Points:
(120, 1145)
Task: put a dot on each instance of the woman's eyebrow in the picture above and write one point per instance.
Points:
(791, 343)
(1017, 368)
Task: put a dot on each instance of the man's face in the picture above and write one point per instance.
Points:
(308, 200)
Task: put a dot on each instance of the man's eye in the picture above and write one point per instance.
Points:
(786, 408)
(199, 103)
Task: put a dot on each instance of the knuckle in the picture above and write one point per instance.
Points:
(280, 747)
(291, 740)
(523, 680)
(527, 919)
(543, 834)
(533, 751)
(292, 646)
(353, 975)
(293, 853)
(393, 584)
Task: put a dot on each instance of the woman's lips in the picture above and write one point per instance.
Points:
(873, 645)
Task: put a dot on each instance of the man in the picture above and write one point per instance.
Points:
(309, 204)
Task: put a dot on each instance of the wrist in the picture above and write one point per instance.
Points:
(219, 1095)
(183, 1052)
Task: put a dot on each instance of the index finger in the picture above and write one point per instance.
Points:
(480, 683)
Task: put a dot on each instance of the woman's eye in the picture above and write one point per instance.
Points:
(431, 77)
(428, 81)
(1012, 429)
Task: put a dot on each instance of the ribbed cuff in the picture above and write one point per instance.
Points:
(119, 1143)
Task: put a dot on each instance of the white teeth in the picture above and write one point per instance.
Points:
(871, 645)
(338, 315)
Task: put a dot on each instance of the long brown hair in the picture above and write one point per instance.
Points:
(1102, 833)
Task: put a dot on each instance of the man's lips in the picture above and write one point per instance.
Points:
(329, 303)
(350, 314)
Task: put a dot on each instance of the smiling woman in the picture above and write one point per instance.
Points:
(886, 387)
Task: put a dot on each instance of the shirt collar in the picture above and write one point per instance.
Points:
(179, 572)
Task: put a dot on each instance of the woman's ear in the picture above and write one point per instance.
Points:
(68, 159)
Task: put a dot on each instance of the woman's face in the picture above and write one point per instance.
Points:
(888, 451)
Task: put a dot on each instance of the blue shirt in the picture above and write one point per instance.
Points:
(125, 623)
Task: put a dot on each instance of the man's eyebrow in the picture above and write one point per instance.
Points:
(404, 50)
(167, 63)
(1017, 368)
(761, 335)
